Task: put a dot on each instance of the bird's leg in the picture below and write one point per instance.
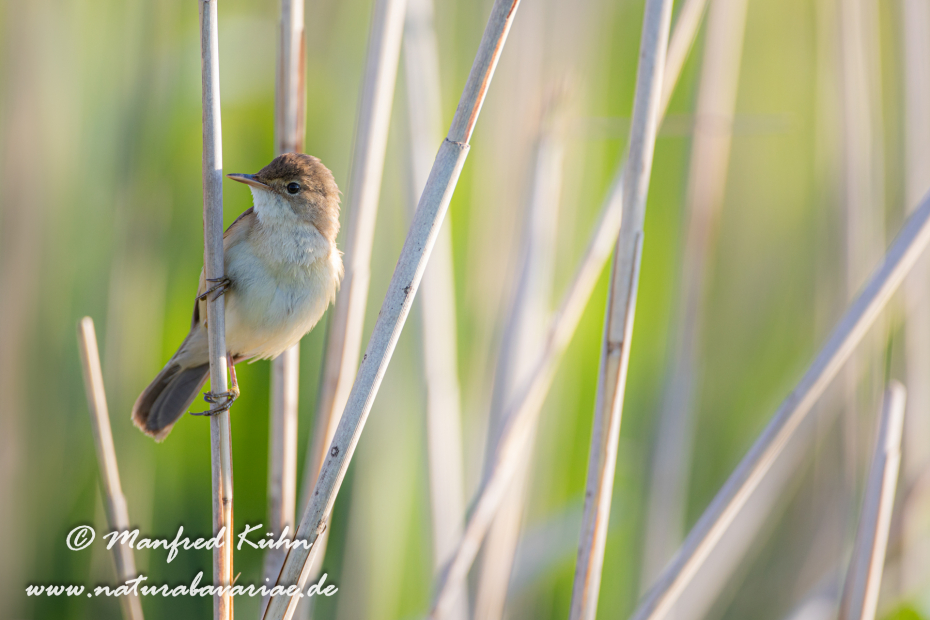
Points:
(234, 388)
(228, 397)
(222, 285)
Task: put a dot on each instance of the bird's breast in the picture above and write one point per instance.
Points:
(282, 282)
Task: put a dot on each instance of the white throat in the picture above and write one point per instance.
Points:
(272, 209)
(288, 239)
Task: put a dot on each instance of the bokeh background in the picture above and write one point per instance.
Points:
(100, 215)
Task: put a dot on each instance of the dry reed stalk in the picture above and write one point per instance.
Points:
(525, 406)
(282, 456)
(862, 192)
(621, 310)
(849, 331)
(437, 298)
(220, 433)
(113, 499)
(707, 177)
(396, 307)
(915, 14)
(347, 318)
(289, 129)
(864, 578)
(521, 345)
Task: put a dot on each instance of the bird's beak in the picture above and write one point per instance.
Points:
(248, 179)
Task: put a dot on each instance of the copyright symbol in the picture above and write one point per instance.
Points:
(80, 537)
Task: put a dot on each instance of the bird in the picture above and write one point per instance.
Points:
(282, 270)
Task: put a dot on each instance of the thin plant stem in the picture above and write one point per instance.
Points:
(710, 155)
(282, 456)
(289, 130)
(910, 243)
(864, 578)
(394, 311)
(621, 309)
(113, 499)
(862, 192)
(220, 432)
(915, 38)
(521, 412)
(520, 346)
(437, 298)
(344, 338)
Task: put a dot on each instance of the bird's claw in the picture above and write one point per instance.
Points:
(228, 398)
(220, 288)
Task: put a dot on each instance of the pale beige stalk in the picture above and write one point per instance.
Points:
(522, 411)
(621, 309)
(113, 499)
(437, 298)
(848, 333)
(394, 311)
(862, 192)
(290, 118)
(915, 31)
(282, 456)
(864, 578)
(707, 177)
(521, 345)
(220, 438)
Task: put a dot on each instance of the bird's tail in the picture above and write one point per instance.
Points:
(167, 398)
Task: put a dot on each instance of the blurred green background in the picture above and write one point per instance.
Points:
(100, 215)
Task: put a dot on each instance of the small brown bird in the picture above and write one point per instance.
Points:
(282, 271)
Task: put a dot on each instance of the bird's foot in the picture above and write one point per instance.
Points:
(226, 398)
(220, 288)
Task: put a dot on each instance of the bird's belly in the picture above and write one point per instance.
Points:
(267, 311)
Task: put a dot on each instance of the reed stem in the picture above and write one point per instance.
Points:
(621, 309)
(289, 129)
(864, 578)
(915, 39)
(113, 499)
(220, 432)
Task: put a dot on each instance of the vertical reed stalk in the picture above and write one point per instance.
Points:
(344, 339)
(621, 308)
(915, 15)
(710, 155)
(862, 192)
(113, 499)
(525, 406)
(520, 347)
(220, 433)
(437, 297)
(289, 130)
(848, 333)
(282, 455)
(394, 311)
(864, 578)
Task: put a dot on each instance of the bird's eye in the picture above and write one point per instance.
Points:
(293, 188)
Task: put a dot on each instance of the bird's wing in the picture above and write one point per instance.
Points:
(238, 227)
(233, 235)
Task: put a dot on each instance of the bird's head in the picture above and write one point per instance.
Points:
(302, 183)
